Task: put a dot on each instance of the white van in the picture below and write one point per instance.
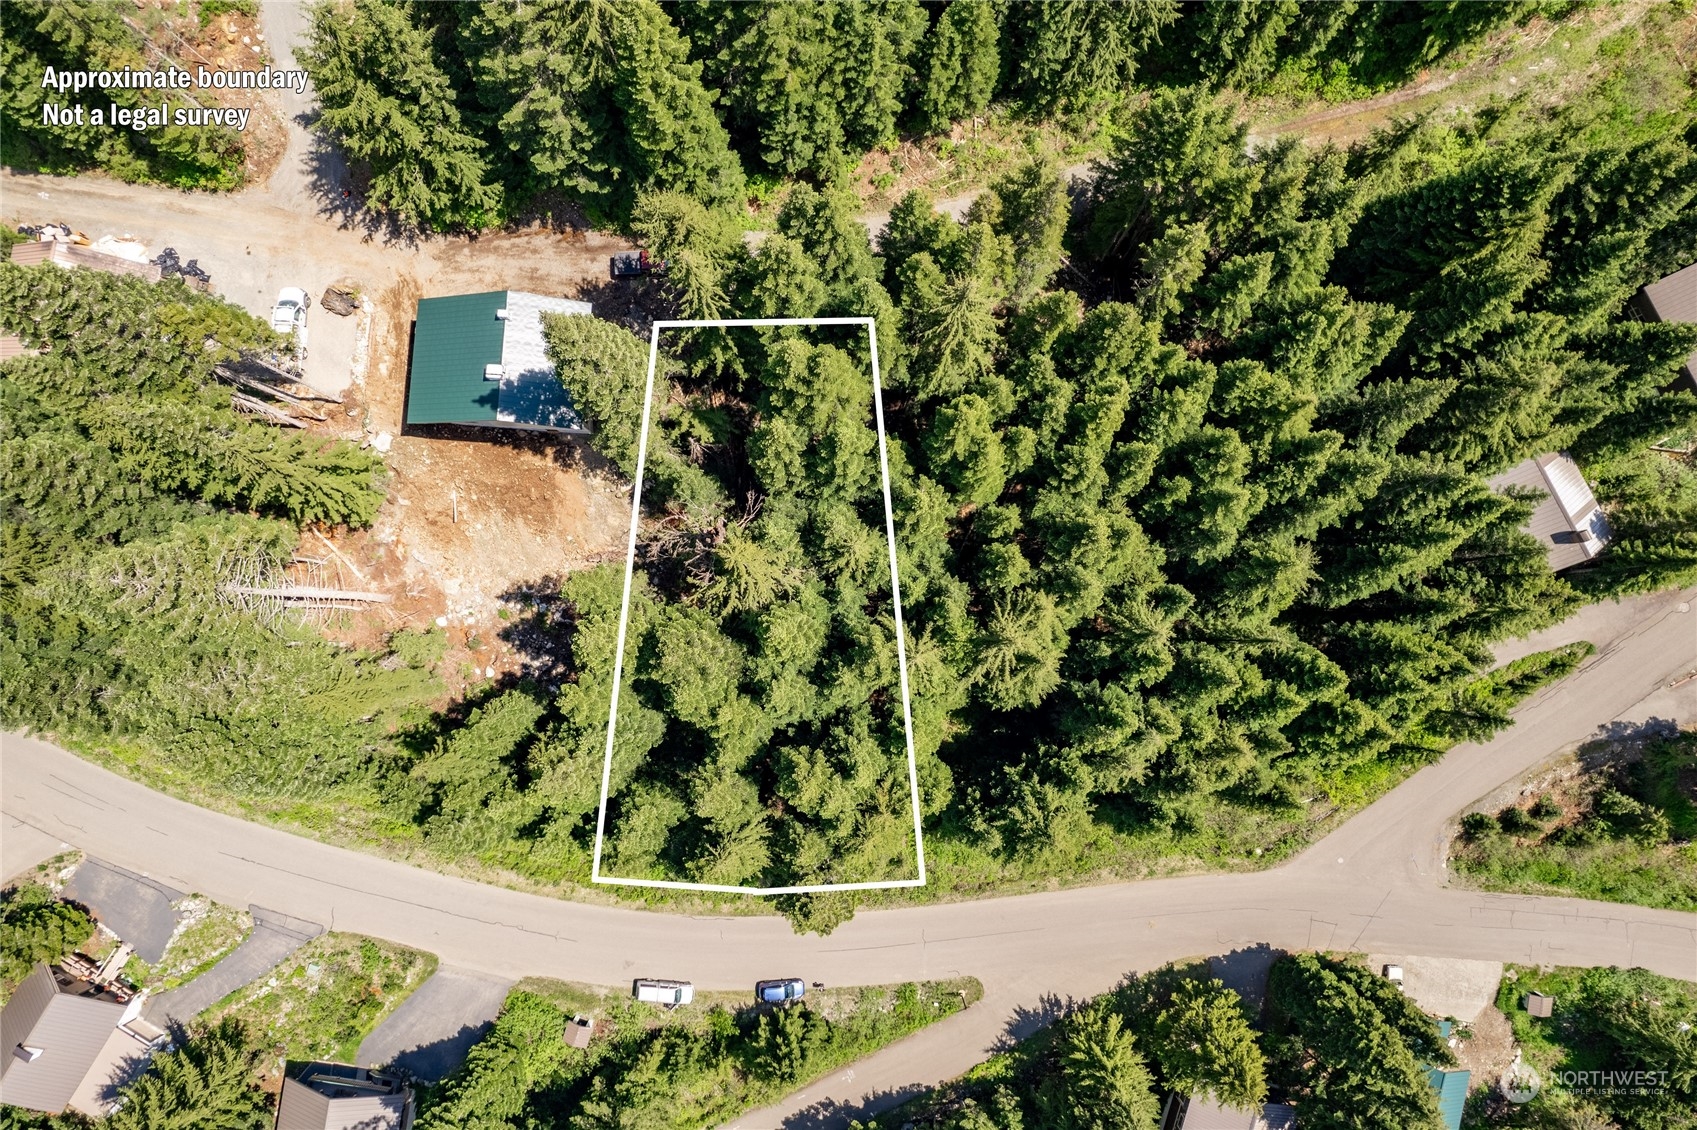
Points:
(668, 994)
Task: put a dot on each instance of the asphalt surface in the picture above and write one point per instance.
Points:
(430, 1034)
(1377, 884)
(134, 907)
(274, 936)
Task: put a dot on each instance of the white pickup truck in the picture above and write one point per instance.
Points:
(668, 994)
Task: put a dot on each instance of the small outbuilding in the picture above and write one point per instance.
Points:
(1540, 1004)
(481, 360)
(1568, 523)
(579, 1029)
(1674, 299)
(65, 254)
(1450, 1088)
(337, 1096)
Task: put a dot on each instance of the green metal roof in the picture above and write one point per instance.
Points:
(1451, 1087)
(453, 339)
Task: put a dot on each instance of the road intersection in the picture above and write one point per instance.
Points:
(1375, 883)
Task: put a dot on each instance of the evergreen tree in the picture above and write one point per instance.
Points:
(542, 72)
(1359, 1044)
(35, 926)
(204, 1083)
(1205, 1045)
(605, 369)
(963, 62)
(1071, 52)
(386, 99)
(1101, 1081)
(675, 143)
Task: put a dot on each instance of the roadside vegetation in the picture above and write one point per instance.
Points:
(1338, 1041)
(696, 1066)
(36, 925)
(1621, 1021)
(501, 113)
(324, 998)
(1622, 834)
(1196, 546)
(206, 932)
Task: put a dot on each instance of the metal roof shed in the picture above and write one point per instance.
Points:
(1674, 299)
(481, 359)
(1568, 523)
(1451, 1089)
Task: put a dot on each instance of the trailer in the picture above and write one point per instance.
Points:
(634, 265)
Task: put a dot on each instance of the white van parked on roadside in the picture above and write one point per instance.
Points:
(667, 994)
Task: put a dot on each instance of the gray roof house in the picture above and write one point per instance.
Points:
(65, 1039)
(335, 1096)
(1674, 299)
(480, 359)
(1201, 1112)
(1568, 523)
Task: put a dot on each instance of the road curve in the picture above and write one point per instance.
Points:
(1372, 885)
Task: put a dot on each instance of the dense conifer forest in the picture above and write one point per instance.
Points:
(1188, 457)
(1207, 527)
(530, 105)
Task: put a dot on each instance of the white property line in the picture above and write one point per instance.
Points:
(624, 618)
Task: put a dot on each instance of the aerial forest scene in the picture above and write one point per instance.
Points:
(1189, 438)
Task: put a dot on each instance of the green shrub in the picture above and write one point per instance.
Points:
(36, 925)
(1516, 821)
(1478, 825)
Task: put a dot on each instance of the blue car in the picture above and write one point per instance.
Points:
(780, 991)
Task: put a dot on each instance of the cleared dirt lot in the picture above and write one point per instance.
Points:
(476, 518)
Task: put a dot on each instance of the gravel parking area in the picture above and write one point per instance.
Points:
(1445, 986)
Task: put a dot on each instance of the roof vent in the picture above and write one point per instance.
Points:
(501, 314)
(492, 372)
(27, 1053)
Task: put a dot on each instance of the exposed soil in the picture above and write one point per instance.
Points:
(1489, 1051)
(479, 521)
(1545, 59)
(231, 41)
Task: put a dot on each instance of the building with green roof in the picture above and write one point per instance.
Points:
(480, 359)
(1451, 1089)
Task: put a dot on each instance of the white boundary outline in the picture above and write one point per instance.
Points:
(624, 617)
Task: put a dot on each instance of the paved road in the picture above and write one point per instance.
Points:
(1374, 884)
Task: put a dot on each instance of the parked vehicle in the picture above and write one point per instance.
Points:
(289, 314)
(633, 265)
(668, 994)
(780, 991)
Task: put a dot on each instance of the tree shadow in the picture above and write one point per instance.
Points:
(832, 1114)
(434, 1061)
(1245, 971)
(341, 187)
(635, 304)
(132, 1067)
(542, 634)
(1027, 1020)
(1648, 729)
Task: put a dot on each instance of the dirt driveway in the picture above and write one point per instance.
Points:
(475, 516)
